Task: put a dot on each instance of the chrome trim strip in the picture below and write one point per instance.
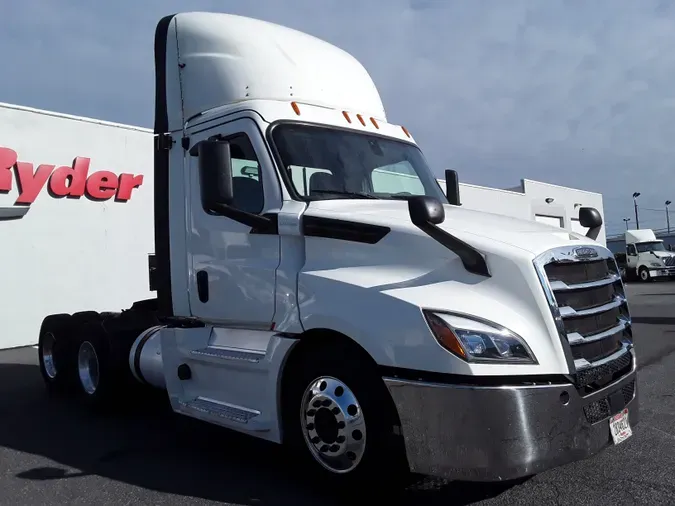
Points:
(575, 338)
(558, 286)
(567, 311)
(582, 364)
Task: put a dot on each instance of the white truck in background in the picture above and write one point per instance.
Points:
(647, 257)
(371, 330)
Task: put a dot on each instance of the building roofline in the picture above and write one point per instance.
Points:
(82, 119)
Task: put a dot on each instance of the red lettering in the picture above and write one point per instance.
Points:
(30, 184)
(127, 183)
(64, 181)
(70, 181)
(101, 185)
(7, 161)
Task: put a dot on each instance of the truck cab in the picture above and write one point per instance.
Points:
(316, 288)
(647, 257)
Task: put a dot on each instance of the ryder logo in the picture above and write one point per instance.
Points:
(71, 182)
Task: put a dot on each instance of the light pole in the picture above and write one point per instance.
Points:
(626, 220)
(668, 202)
(637, 220)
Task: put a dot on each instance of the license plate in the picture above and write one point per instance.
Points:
(619, 426)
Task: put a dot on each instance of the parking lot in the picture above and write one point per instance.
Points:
(51, 452)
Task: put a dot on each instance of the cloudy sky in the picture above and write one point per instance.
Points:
(573, 92)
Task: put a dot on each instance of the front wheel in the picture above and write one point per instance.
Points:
(339, 421)
(644, 275)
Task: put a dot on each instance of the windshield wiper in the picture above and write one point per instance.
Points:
(350, 194)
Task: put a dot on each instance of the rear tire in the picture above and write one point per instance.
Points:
(54, 354)
(338, 423)
(104, 379)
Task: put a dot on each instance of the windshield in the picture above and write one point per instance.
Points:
(643, 247)
(327, 163)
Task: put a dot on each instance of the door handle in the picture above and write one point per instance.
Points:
(203, 286)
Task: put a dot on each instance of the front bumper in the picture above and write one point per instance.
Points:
(659, 272)
(481, 433)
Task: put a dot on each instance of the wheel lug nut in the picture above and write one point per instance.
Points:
(310, 426)
(336, 410)
(324, 448)
(334, 448)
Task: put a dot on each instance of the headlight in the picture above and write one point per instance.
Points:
(656, 264)
(475, 340)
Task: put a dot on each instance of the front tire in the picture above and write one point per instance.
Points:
(338, 420)
(644, 275)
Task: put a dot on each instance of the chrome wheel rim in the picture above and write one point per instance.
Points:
(48, 344)
(88, 367)
(644, 274)
(333, 425)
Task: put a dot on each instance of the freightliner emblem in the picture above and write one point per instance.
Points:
(585, 252)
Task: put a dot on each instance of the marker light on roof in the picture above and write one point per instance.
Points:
(363, 122)
(295, 107)
(344, 113)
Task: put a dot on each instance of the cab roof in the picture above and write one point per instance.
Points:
(216, 59)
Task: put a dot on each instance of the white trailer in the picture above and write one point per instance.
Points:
(373, 331)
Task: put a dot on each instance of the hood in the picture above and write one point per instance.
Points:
(663, 254)
(530, 236)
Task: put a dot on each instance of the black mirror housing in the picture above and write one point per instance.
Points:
(452, 187)
(424, 210)
(589, 217)
(215, 174)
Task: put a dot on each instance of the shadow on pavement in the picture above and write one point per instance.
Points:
(157, 450)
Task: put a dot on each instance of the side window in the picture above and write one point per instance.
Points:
(396, 178)
(246, 175)
(630, 249)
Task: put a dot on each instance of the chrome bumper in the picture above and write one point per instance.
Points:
(478, 433)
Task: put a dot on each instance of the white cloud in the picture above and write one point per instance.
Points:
(571, 92)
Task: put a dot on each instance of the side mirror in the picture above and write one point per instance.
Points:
(215, 174)
(452, 187)
(590, 218)
(424, 210)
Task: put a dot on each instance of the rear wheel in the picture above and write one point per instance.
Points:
(53, 352)
(339, 419)
(105, 381)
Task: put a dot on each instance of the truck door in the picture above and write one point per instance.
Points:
(631, 256)
(232, 272)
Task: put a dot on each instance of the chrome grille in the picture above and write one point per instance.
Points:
(669, 261)
(587, 299)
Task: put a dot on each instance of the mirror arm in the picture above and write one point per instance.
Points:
(593, 232)
(255, 221)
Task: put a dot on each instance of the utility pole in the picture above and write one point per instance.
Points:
(637, 219)
(668, 202)
(626, 220)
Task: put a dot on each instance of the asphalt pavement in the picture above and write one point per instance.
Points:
(52, 452)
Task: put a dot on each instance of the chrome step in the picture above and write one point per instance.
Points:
(220, 409)
(229, 354)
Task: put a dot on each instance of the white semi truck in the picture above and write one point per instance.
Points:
(370, 329)
(647, 257)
